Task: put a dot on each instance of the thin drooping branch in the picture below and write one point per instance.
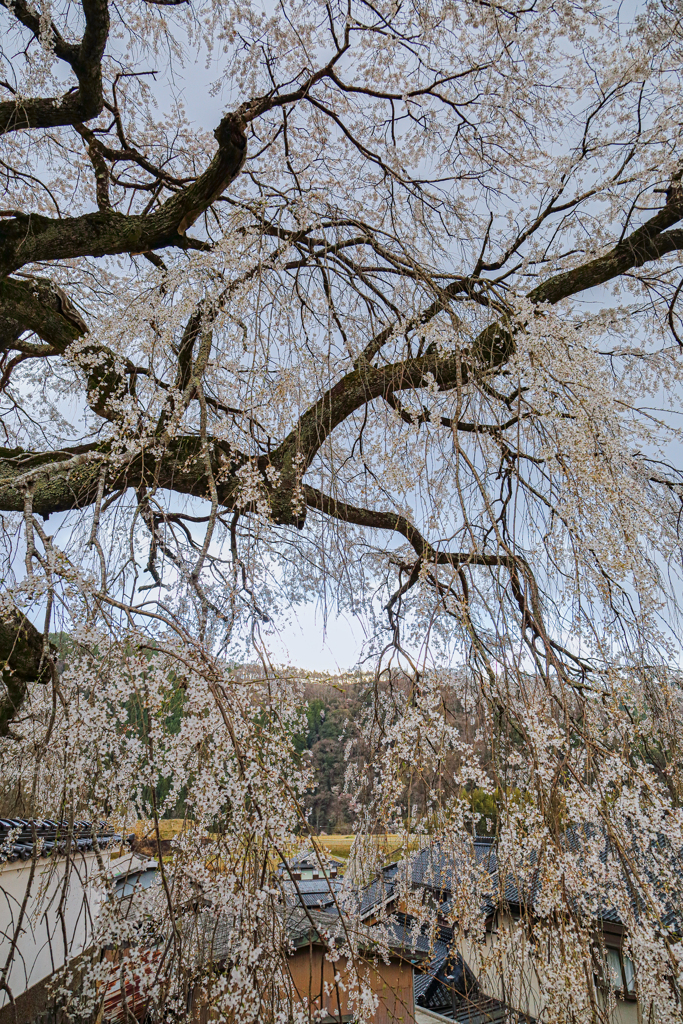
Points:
(428, 554)
(397, 523)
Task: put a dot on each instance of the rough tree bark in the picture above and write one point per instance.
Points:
(25, 659)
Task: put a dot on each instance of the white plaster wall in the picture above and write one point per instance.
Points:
(61, 906)
(522, 990)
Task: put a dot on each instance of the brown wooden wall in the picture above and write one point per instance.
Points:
(393, 984)
(309, 975)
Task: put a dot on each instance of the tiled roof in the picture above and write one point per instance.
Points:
(314, 884)
(316, 900)
(379, 891)
(211, 934)
(483, 1010)
(443, 973)
(424, 978)
(310, 859)
(424, 936)
(312, 892)
(20, 838)
(642, 850)
(587, 840)
(304, 926)
(360, 901)
(441, 870)
(431, 868)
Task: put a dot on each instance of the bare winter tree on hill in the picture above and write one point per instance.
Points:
(399, 331)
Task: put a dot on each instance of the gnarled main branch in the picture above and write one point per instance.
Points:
(23, 660)
(85, 60)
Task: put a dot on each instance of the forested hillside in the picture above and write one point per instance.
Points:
(334, 712)
(332, 715)
(333, 708)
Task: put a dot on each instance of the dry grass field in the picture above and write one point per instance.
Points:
(168, 828)
(336, 845)
(340, 845)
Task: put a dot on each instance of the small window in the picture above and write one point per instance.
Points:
(619, 972)
(629, 975)
(613, 963)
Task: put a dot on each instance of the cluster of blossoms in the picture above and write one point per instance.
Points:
(384, 315)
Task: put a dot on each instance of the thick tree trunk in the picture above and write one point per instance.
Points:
(23, 660)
